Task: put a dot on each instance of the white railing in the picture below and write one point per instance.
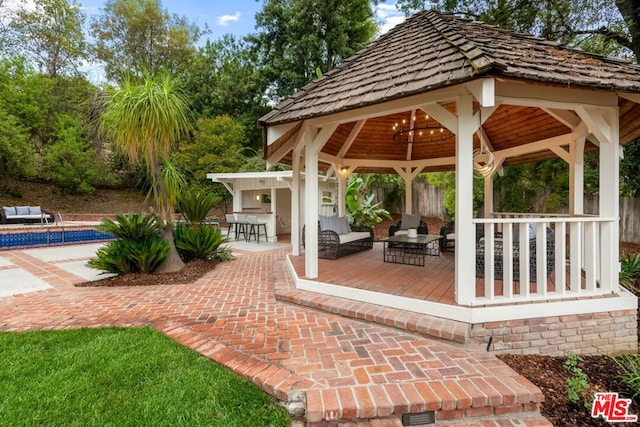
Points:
(534, 257)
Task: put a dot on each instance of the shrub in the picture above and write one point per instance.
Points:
(195, 205)
(577, 384)
(197, 242)
(131, 256)
(134, 226)
(138, 248)
(630, 272)
(630, 366)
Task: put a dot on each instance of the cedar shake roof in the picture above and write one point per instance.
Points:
(430, 51)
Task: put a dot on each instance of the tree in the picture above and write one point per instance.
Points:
(601, 26)
(50, 33)
(224, 79)
(16, 155)
(137, 36)
(216, 147)
(299, 37)
(145, 121)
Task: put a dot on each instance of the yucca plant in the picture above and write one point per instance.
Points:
(134, 226)
(201, 242)
(195, 205)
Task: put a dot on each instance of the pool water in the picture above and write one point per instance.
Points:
(51, 237)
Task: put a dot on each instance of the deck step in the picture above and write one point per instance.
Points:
(428, 326)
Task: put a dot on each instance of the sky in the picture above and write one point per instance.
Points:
(235, 17)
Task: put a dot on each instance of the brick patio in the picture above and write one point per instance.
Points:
(327, 369)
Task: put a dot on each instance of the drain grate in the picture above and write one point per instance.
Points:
(421, 418)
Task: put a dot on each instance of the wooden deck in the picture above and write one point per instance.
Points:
(435, 282)
(365, 270)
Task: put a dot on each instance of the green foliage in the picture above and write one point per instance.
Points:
(134, 226)
(72, 163)
(298, 36)
(50, 33)
(225, 79)
(123, 377)
(629, 170)
(216, 147)
(195, 205)
(145, 121)
(198, 242)
(629, 364)
(131, 256)
(630, 272)
(534, 187)
(16, 155)
(361, 209)
(577, 384)
(138, 248)
(447, 180)
(140, 36)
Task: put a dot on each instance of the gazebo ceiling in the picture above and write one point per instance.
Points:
(430, 59)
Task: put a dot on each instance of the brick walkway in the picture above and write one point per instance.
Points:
(327, 369)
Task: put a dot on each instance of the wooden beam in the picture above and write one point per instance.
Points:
(597, 123)
(424, 163)
(276, 131)
(484, 91)
(352, 137)
(279, 154)
(552, 97)
(442, 115)
(633, 97)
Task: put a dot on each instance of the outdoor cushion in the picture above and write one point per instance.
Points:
(353, 236)
(35, 210)
(9, 210)
(339, 224)
(410, 221)
(22, 210)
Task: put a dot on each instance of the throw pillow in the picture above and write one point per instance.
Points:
(325, 222)
(22, 210)
(9, 211)
(410, 221)
(344, 227)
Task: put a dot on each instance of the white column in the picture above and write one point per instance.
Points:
(342, 191)
(576, 176)
(311, 206)
(272, 236)
(408, 195)
(295, 205)
(609, 200)
(465, 254)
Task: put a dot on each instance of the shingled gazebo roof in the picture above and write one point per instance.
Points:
(431, 51)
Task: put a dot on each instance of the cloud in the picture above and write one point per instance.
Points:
(388, 16)
(224, 20)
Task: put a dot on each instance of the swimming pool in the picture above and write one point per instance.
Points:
(51, 238)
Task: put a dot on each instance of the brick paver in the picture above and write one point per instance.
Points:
(327, 369)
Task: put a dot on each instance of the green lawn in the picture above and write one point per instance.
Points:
(122, 377)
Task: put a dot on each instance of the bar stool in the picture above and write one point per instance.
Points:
(231, 222)
(241, 226)
(254, 228)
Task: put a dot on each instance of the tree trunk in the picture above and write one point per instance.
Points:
(630, 11)
(173, 262)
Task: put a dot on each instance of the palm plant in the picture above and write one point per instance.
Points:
(195, 205)
(145, 120)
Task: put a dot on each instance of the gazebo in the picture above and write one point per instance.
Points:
(483, 98)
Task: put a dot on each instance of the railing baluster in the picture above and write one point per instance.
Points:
(590, 256)
(560, 254)
(575, 256)
(507, 265)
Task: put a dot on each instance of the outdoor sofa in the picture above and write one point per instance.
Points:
(24, 215)
(499, 251)
(337, 238)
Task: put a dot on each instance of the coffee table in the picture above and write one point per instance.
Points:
(411, 251)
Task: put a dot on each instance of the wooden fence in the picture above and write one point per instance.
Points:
(428, 201)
